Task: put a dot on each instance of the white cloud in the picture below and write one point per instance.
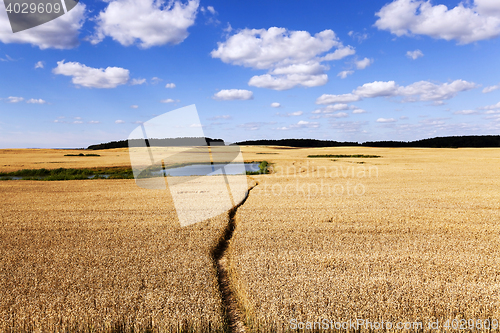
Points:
(362, 64)
(39, 64)
(94, 122)
(386, 120)
(156, 80)
(466, 112)
(464, 23)
(330, 99)
(376, 89)
(146, 22)
(338, 115)
(491, 88)
(291, 114)
(287, 81)
(334, 108)
(13, 99)
(299, 125)
(89, 77)
(495, 106)
(169, 100)
(275, 105)
(119, 121)
(344, 74)
(36, 101)
(170, 85)
(358, 111)
(135, 82)
(414, 54)
(233, 94)
(211, 10)
(418, 91)
(60, 33)
(134, 106)
(292, 58)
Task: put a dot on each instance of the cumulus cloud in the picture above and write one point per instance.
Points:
(39, 64)
(146, 22)
(464, 23)
(386, 120)
(275, 105)
(330, 99)
(301, 124)
(418, 91)
(491, 88)
(291, 114)
(414, 54)
(13, 99)
(358, 111)
(344, 74)
(233, 94)
(134, 106)
(36, 101)
(119, 121)
(333, 108)
(135, 82)
(338, 115)
(292, 58)
(170, 85)
(60, 33)
(169, 100)
(89, 77)
(362, 64)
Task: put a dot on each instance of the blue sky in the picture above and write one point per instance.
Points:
(338, 70)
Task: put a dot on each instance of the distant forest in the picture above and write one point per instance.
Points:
(156, 143)
(485, 141)
(473, 141)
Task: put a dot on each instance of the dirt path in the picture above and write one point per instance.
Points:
(233, 314)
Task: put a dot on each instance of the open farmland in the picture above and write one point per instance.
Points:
(103, 255)
(410, 236)
(416, 241)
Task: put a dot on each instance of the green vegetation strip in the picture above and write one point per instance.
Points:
(344, 156)
(68, 174)
(262, 169)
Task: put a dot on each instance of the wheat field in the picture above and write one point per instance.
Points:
(104, 256)
(412, 236)
(417, 240)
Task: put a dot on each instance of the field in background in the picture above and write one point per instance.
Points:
(410, 236)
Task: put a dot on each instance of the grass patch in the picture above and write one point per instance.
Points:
(343, 156)
(262, 169)
(81, 154)
(68, 174)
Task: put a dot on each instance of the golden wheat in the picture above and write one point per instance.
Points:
(414, 241)
(103, 255)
